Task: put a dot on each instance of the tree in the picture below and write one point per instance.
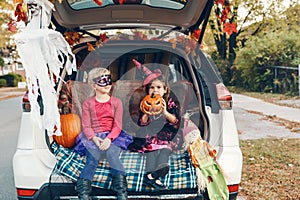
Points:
(1, 61)
(275, 45)
(230, 29)
(5, 16)
(5, 35)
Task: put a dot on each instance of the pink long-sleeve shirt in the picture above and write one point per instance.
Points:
(101, 117)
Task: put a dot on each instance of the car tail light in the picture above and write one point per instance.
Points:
(25, 103)
(224, 97)
(233, 188)
(25, 192)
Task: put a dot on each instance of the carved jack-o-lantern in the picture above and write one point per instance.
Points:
(152, 104)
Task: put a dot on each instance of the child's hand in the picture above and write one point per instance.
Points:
(170, 117)
(164, 107)
(97, 141)
(105, 144)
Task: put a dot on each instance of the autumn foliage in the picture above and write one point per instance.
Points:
(223, 14)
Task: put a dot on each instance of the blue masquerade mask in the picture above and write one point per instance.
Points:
(103, 80)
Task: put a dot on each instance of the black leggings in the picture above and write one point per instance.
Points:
(157, 162)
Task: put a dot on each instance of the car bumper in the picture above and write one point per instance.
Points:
(50, 191)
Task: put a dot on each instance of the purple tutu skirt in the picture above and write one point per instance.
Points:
(82, 143)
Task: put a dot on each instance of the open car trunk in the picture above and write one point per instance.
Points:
(127, 85)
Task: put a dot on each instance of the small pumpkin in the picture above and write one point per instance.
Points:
(70, 127)
(152, 104)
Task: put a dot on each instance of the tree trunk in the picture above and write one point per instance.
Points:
(232, 47)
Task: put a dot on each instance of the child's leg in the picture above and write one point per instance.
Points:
(92, 159)
(162, 163)
(151, 158)
(84, 183)
(163, 158)
(119, 182)
(112, 156)
(154, 160)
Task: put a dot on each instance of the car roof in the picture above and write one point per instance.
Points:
(107, 14)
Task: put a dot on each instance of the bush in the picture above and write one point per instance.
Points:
(2, 82)
(230, 74)
(256, 59)
(12, 79)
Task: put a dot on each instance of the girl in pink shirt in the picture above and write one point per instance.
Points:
(103, 135)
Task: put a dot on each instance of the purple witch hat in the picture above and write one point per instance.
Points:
(149, 74)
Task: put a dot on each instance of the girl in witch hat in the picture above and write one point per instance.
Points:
(158, 127)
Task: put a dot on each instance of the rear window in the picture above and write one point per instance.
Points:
(85, 4)
(119, 61)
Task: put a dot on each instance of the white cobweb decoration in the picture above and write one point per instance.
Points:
(43, 52)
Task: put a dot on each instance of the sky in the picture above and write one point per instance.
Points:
(242, 12)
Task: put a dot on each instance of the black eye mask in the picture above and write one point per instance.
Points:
(103, 80)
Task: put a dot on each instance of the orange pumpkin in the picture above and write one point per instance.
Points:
(70, 128)
(152, 104)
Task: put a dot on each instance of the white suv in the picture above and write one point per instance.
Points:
(160, 34)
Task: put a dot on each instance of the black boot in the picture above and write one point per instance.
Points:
(84, 189)
(119, 185)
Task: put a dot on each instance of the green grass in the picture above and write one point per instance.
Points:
(271, 169)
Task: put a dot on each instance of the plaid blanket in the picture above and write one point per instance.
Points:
(182, 174)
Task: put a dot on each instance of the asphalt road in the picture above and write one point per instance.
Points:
(10, 116)
(255, 126)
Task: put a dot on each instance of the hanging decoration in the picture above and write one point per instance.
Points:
(98, 2)
(72, 37)
(204, 158)
(102, 40)
(12, 26)
(43, 52)
(99, 43)
(20, 13)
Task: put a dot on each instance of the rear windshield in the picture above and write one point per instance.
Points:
(84, 4)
